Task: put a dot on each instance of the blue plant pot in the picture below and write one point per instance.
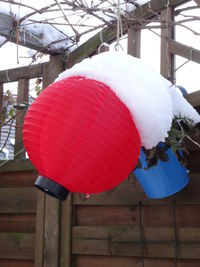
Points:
(164, 179)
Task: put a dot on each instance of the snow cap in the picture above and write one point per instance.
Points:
(148, 96)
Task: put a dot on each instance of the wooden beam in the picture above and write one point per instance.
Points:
(26, 38)
(17, 165)
(128, 193)
(39, 225)
(28, 72)
(125, 241)
(167, 58)
(109, 34)
(17, 246)
(198, 2)
(185, 51)
(22, 96)
(134, 40)
(66, 230)
(18, 200)
(52, 207)
(194, 98)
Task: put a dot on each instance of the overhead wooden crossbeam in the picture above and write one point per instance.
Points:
(184, 51)
(198, 2)
(27, 39)
(8, 30)
(147, 11)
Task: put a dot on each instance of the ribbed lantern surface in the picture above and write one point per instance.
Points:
(80, 135)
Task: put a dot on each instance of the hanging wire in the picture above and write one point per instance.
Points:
(119, 27)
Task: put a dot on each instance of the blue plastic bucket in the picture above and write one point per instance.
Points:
(164, 179)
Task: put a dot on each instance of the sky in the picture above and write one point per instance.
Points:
(186, 76)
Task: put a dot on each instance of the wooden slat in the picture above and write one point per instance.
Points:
(51, 70)
(16, 246)
(167, 58)
(184, 51)
(66, 230)
(132, 234)
(131, 193)
(134, 40)
(17, 200)
(22, 96)
(194, 98)
(39, 236)
(51, 232)
(18, 179)
(152, 216)
(108, 261)
(17, 165)
(24, 223)
(1, 105)
(16, 263)
(125, 241)
(28, 72)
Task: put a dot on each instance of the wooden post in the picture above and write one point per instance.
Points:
(1, 106)
(39, 240)
(22, 96)
(167, 59)
(66, 232)
(48, 221)
(134, 40)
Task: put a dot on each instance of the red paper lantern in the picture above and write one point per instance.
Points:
(80, 137)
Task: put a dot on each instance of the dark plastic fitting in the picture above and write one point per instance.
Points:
(51, 188)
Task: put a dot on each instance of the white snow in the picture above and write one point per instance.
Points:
(2, 40)
(181, 106)
(151, 99)
(44, 33)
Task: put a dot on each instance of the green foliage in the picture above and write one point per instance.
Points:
(38, 87)
(8, 102)
(181, 128)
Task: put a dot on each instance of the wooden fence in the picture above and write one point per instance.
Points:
(117, 228)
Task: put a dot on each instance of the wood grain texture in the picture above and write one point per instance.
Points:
(129, 193)
(125, 241)
(134, 42)
(24, 223)
(152, 216)
(17, 165)
(39, 225)
(18, 179)
(17, 246)
(22, 96)
(28, 72)
(108, 261)
(66, 232)
(167, 33)
(52, 219)
(16, 263)
(184, 51)
(18, 200)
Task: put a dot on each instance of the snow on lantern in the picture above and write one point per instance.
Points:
(85, 131)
